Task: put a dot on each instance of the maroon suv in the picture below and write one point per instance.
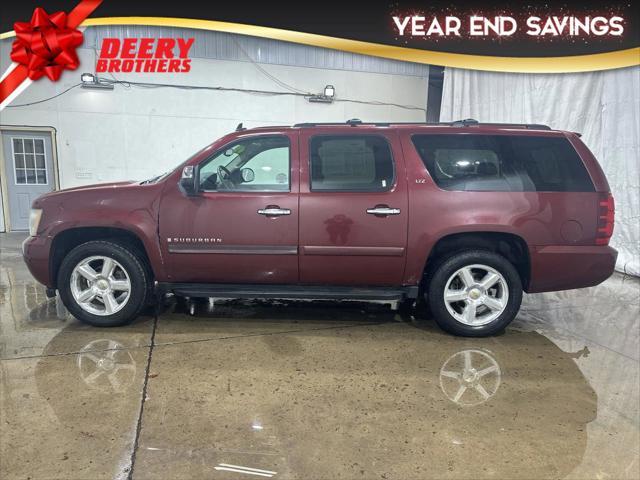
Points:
(468, 215)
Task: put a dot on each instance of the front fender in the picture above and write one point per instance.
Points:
(132, 208)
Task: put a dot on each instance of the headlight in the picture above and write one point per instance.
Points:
(34, 221)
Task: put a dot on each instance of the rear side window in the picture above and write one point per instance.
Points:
(503, 163)
(351, 163)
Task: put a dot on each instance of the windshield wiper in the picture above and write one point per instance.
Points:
(155, 179)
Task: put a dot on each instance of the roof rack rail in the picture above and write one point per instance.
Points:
(467, 122)
(530, 126)
(464, 123)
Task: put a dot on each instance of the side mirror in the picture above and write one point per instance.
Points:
(188, 181)
(248, 175)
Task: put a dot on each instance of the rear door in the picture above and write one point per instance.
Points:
(353, 207)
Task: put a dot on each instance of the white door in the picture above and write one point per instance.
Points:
(29, 172)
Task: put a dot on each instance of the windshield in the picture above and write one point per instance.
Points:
(164, 175)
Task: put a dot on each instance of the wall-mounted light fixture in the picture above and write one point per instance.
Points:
(89, 80)
(329, 91)
(326, 97)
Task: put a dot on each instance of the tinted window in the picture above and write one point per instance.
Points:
(351, 163)
(503, 163)
(252, 164)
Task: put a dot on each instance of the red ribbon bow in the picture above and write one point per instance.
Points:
(47, 45)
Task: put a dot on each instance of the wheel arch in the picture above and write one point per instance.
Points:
(511, 246)
(66, 240)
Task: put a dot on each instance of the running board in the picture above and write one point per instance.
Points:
(388, 294)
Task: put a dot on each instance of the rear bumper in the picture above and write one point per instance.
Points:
(565, 267)
(35, 251)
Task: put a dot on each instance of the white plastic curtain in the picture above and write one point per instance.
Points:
(603, 106)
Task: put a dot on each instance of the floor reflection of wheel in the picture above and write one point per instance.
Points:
(105, 365)
(470, 377)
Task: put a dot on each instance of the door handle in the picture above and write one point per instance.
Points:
(383, 211)
(274, 211)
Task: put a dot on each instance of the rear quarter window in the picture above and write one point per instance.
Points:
(503, 163)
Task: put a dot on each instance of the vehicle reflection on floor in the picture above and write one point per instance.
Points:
(378, 396)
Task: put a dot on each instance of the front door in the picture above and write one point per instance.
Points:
(28, 170)
(242, 227)
(353, 208)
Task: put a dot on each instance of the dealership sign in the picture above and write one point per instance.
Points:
(148, 55)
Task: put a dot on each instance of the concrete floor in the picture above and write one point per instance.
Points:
(317, 391)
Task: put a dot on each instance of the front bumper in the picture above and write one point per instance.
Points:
(560, 267)
(36, 254)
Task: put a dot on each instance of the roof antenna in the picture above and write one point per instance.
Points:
(239, 128)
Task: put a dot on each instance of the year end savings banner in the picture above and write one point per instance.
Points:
(532, 37)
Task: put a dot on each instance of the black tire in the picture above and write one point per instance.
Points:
(139, 278)
(440, 274)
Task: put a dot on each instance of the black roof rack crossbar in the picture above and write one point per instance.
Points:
(458, 123)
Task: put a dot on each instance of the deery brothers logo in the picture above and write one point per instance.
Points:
(145, 55)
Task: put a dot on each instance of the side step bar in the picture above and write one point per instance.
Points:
(289, 291)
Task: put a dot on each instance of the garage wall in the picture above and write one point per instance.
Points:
(603, 106)
(134, 133)
(2, 228)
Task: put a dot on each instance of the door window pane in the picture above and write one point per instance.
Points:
(18, 159)
(351, 163)
(39, 143)
(28, 145)
(29, 160)
(40, 163)
(258, 164)
(17, 145)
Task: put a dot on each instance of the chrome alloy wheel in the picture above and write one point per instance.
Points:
(100, 285)
(476, 295)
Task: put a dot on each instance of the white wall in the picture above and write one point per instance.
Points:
(603, 106)
(1, 210)
(134, 133)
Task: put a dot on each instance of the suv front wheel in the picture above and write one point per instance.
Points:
(474, 293)
(103, 283)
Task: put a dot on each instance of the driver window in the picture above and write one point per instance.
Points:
(253, 164)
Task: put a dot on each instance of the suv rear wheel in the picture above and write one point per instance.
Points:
(474, 293)
(103, 283)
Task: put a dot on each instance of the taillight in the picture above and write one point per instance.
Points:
(606, 214)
